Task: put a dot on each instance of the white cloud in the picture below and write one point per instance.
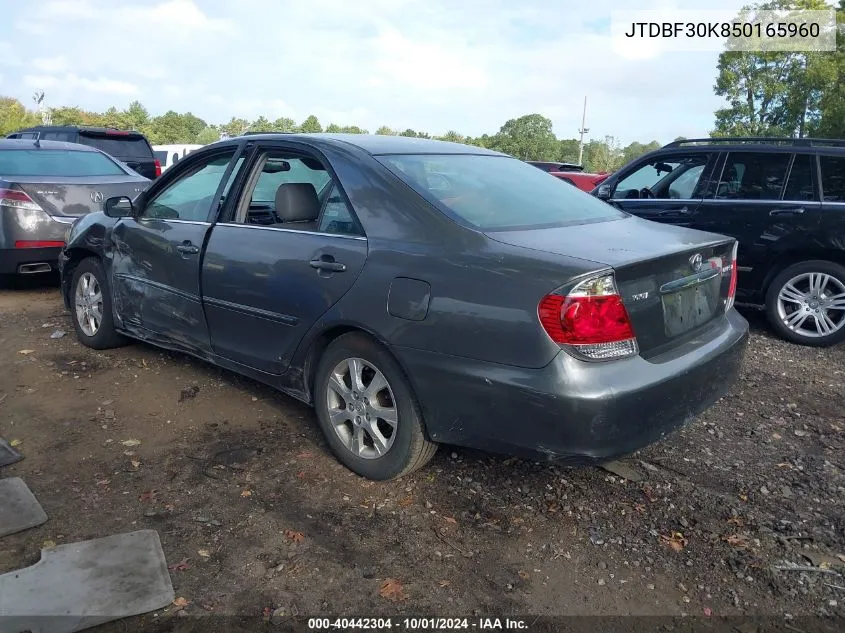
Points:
(430, 65)
(74, 84)
(51, 64)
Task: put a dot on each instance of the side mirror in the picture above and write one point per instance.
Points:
(118, 207)
(603, 192)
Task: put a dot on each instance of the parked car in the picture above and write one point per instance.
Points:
(44, 187)
(129, 147)
(169, 155)
(552, 166)
(495, 308)
(583, 180)
(783, 199)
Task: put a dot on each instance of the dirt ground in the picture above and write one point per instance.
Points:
(257, 518)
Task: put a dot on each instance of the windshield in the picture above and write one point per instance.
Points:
(497, 192)
(58, 162)
(120, 146)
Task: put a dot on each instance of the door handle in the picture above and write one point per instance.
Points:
(683, 211)
(186, 248)
(786, 211)
(328, 263)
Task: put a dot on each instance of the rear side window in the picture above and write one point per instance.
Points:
(161, 156)
(833, 178)
(119, 146)
(49, 162)
(800, 184)
(753, 176)
(67, 137)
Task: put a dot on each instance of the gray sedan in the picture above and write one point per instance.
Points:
(416, 292)
(44, 187)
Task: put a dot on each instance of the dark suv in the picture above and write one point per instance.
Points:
(784, 201)
(131, 148)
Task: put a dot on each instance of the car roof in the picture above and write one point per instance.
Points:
(77, 128)
(757, 144)
(28, 143)
(377, 144)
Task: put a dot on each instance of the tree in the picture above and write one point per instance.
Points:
(386, 131)
(452, 136)
(235, 127)
(635, 150)
(829, 71)
(285, 124)
(14, 116)
(261, 124)
(568, 151)
(529, 137)
(774, 93)
(207, 135)
(603, 156)
(311, 125)
(136, 116)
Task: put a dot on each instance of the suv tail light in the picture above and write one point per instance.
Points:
(729, 302)
(590, 319)
(158, 167)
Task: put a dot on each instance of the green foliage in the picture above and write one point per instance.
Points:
(311, 125)
(13, 116)
(528, 137)
(779, 93)
(209, 134)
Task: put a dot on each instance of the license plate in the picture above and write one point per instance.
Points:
(689, 308)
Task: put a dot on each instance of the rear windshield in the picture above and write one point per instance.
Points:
(122, 147)
(496, 192)
(56, 162)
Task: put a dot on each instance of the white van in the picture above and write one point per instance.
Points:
(169, 155)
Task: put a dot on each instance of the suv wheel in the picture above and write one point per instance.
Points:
(805, 303)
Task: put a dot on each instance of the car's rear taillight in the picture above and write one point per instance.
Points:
(17, 199)
(729, 302)
(590, 319)
(158, 167)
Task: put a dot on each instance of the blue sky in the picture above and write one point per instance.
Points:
(431, 65)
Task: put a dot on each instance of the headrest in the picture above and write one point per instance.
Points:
(297, 202)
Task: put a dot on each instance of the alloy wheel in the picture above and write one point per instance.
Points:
(361, 407)
(812, 304)
(88, 302)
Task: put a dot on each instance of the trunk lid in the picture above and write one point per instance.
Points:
(673, 281)
(76, 196)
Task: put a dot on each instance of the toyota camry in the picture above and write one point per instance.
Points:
(416, 292)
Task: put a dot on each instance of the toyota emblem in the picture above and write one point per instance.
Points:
(695, 262)
(97, 197)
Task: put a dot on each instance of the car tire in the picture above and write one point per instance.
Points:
(357, 422)
(797, 312)
(91, 307)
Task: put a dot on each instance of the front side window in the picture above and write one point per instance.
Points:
(190, 196)
(753, 176)
(668, 177)
(833, 178)
(56, 162)
(497, 192)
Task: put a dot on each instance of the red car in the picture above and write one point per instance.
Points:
(572, 173)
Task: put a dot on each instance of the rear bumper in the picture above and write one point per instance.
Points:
(575, 411)
(11, 259)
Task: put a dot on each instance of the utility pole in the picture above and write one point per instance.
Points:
(582, 131)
